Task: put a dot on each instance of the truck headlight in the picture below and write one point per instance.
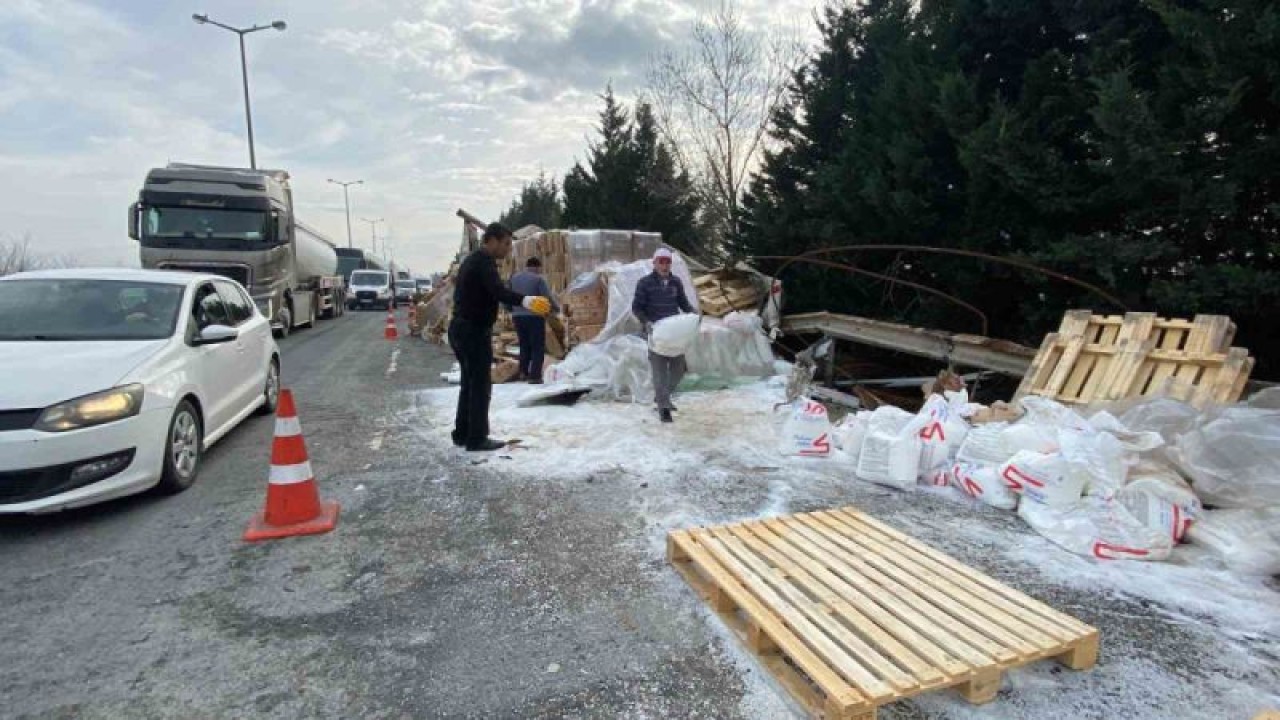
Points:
(96, 409)
(384, 292)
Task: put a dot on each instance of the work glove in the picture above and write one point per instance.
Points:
(537, 304)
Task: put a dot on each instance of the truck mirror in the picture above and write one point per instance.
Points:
(133, 221)
(282, 228)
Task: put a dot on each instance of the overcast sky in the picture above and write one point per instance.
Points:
(435, 104)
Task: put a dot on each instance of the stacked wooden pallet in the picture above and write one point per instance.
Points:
(724, 291)
(1094, 358)
(849, 614)
(587, 311)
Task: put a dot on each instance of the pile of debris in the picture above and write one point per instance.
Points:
(1110, 475)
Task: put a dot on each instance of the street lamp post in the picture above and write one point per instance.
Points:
(373, 231)
(244, 68)
(347, 199)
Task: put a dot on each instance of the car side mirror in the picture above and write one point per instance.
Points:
(216, 335)
(133, 221)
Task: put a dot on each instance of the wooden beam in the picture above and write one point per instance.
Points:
(968, 350)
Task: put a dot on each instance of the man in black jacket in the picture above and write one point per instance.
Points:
(477, 291)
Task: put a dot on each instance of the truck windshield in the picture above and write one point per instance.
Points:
(369, 278)
(50, 309)
(182, 226)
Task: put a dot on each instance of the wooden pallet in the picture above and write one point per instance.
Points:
(849, 614)
(720, 293)
(1094, 358)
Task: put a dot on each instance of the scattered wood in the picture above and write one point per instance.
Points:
(849, 614)
(1096, 358)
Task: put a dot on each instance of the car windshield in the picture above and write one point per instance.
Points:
(81, 309)
(368, 278)
(406, 286)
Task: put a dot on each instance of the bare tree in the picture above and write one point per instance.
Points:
(713, 102)
(16, 257)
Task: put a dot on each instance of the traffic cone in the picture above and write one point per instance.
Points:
(413, 317)
(293, 500)
(391, 333)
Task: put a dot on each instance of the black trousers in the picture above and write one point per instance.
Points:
(473, 346)
(532, 332)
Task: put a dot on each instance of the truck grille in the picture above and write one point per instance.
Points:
(366, 295)
(239, 273)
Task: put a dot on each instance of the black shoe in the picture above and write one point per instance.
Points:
(664, 415)
(486, 445)
(456, 441)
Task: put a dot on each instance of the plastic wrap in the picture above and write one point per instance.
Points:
(1232, 457)
(673, 336)
(1246, 541)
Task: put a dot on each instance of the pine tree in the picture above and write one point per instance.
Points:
(538, 203)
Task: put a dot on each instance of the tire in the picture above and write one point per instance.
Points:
(271, 391)
(286, 323)
(183, 450)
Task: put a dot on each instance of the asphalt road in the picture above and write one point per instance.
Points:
(455, 590)
(443, 592)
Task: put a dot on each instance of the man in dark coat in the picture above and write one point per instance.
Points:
(660, 295)
(477, 291)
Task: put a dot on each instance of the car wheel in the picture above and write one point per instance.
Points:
(183, 450)
(271, 392)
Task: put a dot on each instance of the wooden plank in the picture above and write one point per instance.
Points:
(1026, 602)
(832, 685)
(1042, 367)
(1134, 346)
(841, 595)
(991, 624)
(815, 579)
(984, 606)
(873, 674)
(832, 655)
(1070, 354)
(959, 639)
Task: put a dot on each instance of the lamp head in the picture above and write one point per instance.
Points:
(202, 19)
(279, 25)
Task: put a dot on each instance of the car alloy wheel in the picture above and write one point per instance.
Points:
(183, 450)
(271, 392)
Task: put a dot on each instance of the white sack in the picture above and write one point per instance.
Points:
(891, 449)
(983, 483)
(985, 445)
(672, 336)
(1097, 527)
(850, 433)
(807, 431)
(1042, 478)
(941, 431)
(1247, 541)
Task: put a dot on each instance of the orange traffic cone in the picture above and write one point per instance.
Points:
(413, 317)
(391, 333)
(293, 501)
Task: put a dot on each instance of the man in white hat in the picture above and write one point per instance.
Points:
(659, 295)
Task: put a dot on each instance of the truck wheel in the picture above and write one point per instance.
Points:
(286, 323)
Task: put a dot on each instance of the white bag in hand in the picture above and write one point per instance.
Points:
(673, 336)
(1099, 527)
(983, 483)
(1042, 478)
(807, 432)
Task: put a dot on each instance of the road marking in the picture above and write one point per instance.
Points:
(395, 359)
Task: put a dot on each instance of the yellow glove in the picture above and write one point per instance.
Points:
(537, 304)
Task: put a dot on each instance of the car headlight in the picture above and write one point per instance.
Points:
(383, 292)
(96, 409)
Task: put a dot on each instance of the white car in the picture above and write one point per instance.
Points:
(116, 381)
